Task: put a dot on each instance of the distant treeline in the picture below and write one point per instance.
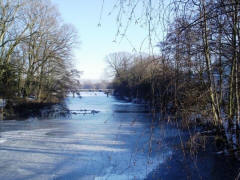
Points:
(35, 51)
(196, 74)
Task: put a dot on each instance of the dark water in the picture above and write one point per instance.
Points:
(120, 142)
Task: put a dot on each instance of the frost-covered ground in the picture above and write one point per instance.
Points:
(118, 143)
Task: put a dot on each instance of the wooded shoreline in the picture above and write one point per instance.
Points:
(195, 75)
(23, 110)
(36, 53)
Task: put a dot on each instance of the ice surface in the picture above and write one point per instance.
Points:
(106, 145)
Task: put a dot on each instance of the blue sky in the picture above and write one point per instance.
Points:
(96, 42)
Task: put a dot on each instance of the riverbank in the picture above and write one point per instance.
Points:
(200, 126)
(24, 110)
(204, 146)
(20, 108)
(205, 165)
(198, 154)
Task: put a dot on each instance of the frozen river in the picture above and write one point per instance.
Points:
(119, 142)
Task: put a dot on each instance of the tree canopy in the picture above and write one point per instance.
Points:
(36, 51)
